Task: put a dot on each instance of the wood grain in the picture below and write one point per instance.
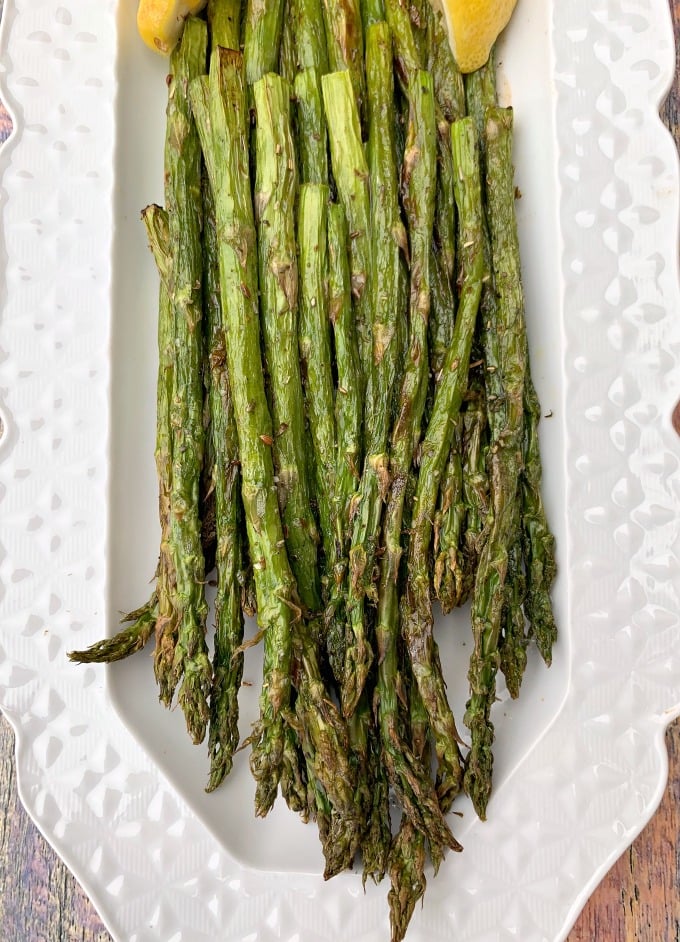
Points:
(638, 900)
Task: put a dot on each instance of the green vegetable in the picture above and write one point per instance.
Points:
(275, 197)
(417, 618)
(184, 662)
(220, 109)
(506, 462)
(389, 242)
(223, 733)
(350, 172)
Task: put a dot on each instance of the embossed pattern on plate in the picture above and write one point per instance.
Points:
(580, 795)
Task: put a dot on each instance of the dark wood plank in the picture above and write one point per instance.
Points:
(40, 900)
(638, 900)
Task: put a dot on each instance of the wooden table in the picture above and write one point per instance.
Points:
(638, 900)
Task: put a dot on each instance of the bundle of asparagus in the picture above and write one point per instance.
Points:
(347, 427)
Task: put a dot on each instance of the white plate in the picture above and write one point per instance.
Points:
(580, 760)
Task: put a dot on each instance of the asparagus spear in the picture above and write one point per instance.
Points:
(374, 798)
(505, 457)
(262, 38)
(350, 172)
(315, 357)
(220, 108)
(287, 52)
(324, 740)
(449, 88)
(480, 93)
(406, 58)
(389, 241)
(408, 777)
(407, 876)
(372, 11)
(406, 862)
(224, 23)
(371, 795)
(295, 786)
(134, 637)
(443, 308)
(311, 127)
(449, 526)
(538, 543)
(345, 44)
(127, 641)
(307, 18)
(223, 734)
(417, 618)
(475, 482)
(537, 540)
(182, 656)
(347, 417)
(275, 194)
(347, 402)
(513, 641)
(419, 195)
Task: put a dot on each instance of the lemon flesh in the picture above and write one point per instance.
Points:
(160, 22)
(474, 26)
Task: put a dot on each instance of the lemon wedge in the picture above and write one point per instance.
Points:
(160, 22)
(474, 26)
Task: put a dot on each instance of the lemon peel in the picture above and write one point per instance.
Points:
(160, 22)
(474, 26)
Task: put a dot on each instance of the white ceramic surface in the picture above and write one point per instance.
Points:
(110, 777)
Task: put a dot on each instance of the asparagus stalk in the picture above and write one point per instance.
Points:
(311, 127)
(347, 417)
(407, 877)
(350, 172)
(449, 88)
(372, 11)
(220, 108)
(325, 743)
(134, 637)
(262, 38)
(345, 44)
(475, 483)
(224, 23)
(287, 48)
(223, 733)
(538, 543)
(347, 401)
(307, 18)
(417, 618)
(275, 195)
(420, 14)
(506, 458)
(315, 357)
(295, 786)
(408, 777)
(480, 93)
(371, 795)
(419, 196)
(406, 862)
(372, 778)
(449, 524)
(406, 58)
(185, 566)
(389, 241)
(127, 641)
(513, 642)
(443, 309)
